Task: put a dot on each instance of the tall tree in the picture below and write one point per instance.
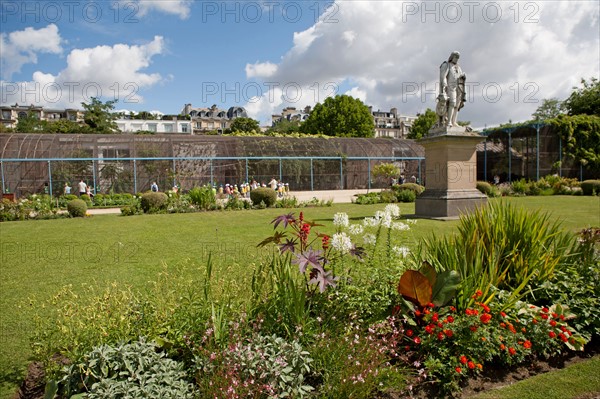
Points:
(585, 99)
(99, 116)
(550, 108)
(422, 124)
(246, 125)
(341, 116)
(30, 124)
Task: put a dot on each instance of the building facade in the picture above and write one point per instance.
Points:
(391, 124)
(213, 119)
(174, 125)
(10, 114)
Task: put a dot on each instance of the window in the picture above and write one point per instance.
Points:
(184, 128)
(152, 127)
(169, 128)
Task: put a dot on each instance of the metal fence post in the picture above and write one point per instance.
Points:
(50, 178)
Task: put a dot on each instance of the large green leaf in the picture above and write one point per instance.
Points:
(429, 272)
(445, 287)
(415, 287)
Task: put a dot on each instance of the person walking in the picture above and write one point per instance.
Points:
(82, 187)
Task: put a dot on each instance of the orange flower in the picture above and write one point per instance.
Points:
(502, 347)
(485, 318)
(463, 359)
(527, 344)
(512, 350)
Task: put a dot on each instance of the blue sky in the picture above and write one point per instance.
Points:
(265, 55)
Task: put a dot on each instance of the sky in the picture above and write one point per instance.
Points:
(158, 55)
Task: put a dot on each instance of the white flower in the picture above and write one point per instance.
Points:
(369, 239)
(370, 222)
(393, 210)
(341, 242)
(401, 251)
(400, 226)
(340, 219)
(356, 229)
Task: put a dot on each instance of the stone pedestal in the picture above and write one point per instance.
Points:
(450, 175)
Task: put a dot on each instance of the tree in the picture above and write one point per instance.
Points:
(550, 108)
(30, 124)
(248, 125)
(99, 116)
(284, 126)
(340, 116)
(386, 171)
(584, 100)
(581, 137)
(422, 124)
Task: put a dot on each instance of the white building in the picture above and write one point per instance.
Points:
(155, 126)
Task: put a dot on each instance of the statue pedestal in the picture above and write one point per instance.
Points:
(450, 175)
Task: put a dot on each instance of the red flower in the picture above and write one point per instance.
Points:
(477, 294)
(485, 307)
(502, 314)
(435, 318)
(430, 305)
(485, 318)
(448, 333)
(471, 365)
(440, 336)
(452, 309)
(409, 333)
(417, 313)
(512, 351)
(473, 328)
(458, 370)
(301, 217)
(553, 323)
(545, 310)
(552, 334)
(527, 344)
(562, 337)
(544, 316)
(417, 340)
(429, 329)
(325, 242)
(450, 319)
(463, 359)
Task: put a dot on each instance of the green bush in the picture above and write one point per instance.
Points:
(134, 370)
(503, 247)
(367, 199)
(406, 196)
(154, 202)
(263, 194)
(487, 189)
(203, 197)
(416, 188)
(77, 208)
(387, 196)
(520, 187)
(590, 187)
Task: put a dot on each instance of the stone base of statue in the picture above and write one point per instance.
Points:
(450, 173)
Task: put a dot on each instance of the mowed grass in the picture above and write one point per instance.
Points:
(581, 380)
(39, 257)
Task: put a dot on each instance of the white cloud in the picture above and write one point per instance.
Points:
(261, 70)
(180, 8)
(102, 71)
(22, 47)
(514, 54)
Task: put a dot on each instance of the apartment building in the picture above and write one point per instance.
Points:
(10, 114)
(212, 119)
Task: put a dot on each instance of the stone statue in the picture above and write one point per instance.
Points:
(452, 95)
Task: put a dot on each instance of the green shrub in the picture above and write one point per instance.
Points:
(520, 187)
(263, 194)
(203, 197)
(406, 196)
(130, 210)
(287, 202)
(367, 199)
(134, 370)
(77, 208)
(154, 202)
(503, 247)
(590, 187)
(387, 196)
(416, 188)
(487, 189)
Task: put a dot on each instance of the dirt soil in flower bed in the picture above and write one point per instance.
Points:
(492, 378)
(497, 377)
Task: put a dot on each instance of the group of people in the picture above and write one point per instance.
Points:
(82, 188)
(402, 180)
(231, 190)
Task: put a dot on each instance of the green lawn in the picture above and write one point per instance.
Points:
(38, 257)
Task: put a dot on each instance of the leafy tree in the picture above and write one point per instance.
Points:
(63, 126)
(243, 125)
(422, 124)
(284, 126)
(340, 116)
(385, 171)
(581, 137)
(99, 116)
(585, 99)
(30, 124)
(550, 108)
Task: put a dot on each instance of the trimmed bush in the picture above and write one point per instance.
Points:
(416, 188)
(263, 194)
(387, 196)
(406, 196)
(590, 187)
(77, 208)
(154, 202)
(485, 188)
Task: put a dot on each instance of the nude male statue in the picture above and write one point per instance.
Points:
(452, 95)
